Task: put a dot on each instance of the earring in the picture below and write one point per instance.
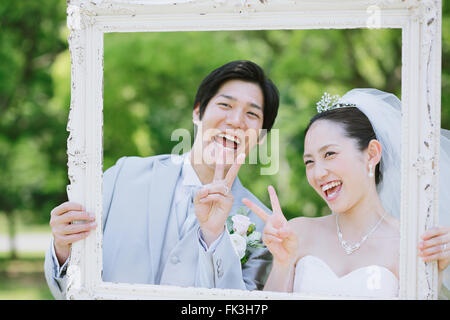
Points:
(370, 170)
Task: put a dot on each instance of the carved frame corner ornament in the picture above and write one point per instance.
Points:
(420, 21)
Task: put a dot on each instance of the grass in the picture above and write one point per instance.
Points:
(23, 278)
(22, 227)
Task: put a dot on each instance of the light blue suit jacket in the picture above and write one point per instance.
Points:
(141, 243)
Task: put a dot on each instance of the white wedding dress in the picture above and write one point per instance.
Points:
(314, 276)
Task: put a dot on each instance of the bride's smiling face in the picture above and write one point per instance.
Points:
(335, 167)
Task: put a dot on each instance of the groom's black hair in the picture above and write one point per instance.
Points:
(240, 70)
(356, 126)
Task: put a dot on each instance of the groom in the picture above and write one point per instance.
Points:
(164, 220)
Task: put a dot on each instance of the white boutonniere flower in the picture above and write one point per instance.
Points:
(239, 244)
(242, 234)
(241, 224)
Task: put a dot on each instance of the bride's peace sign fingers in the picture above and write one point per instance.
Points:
(256, 209)
(268, 229)
(279, 221)
(276, 208)
(278, 236)
(276, 229)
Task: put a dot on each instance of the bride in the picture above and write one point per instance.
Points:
(352, 159)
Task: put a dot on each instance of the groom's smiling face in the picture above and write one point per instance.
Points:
(231, 122)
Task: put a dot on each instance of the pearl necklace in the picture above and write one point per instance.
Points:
(349, 249)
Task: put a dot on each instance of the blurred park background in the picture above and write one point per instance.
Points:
(150, 80)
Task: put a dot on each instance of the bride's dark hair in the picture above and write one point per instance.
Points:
(356, 126)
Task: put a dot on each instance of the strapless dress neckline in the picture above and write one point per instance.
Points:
(315, 276)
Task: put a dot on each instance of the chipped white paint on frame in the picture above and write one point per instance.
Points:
(420, 21)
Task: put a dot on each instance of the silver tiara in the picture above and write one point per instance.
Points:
(329, 102)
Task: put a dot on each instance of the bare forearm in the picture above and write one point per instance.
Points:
(281, 278)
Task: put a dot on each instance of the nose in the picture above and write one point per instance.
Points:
(319, 171)
(235, 118)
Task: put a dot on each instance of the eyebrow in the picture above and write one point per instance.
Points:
(320, 150)
(254, 105)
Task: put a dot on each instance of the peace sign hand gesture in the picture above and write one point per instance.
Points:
(278, 235)
(214, 201)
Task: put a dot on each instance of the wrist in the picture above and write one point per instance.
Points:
(62, 253)
(284, 265)
(209, 236)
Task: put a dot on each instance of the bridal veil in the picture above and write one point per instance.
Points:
(384, 112)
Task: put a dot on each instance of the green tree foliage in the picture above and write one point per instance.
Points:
(150, 81)
(32, 155)
(156, 95)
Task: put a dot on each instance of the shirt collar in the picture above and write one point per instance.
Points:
(190, 177)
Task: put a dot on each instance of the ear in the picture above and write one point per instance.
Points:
(196, 114)
(374, 150)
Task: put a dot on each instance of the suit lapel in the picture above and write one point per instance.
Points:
(161, 193)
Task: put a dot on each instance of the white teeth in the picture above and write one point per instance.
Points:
(221, 146)
(228, 137)
(331, 195)
(331, 185)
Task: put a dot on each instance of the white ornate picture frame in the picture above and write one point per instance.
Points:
(420, 21)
